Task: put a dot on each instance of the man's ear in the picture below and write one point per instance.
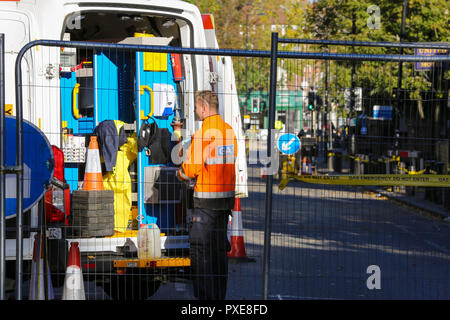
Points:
(204, 106)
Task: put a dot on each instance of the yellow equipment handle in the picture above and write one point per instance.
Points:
(141, 92)
(75, 92)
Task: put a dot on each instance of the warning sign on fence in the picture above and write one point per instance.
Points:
(426, 65)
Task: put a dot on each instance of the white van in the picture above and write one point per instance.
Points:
(54, 99)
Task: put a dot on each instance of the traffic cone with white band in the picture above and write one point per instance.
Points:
(93, 179)
(37, 285)
(237, 233)
(73, 283)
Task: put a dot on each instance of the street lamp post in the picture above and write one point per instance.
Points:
(400, 101)
(246, 58)
(247, 93)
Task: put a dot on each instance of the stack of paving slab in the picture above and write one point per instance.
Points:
(93, 213)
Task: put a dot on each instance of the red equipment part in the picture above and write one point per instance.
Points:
(57, 200)
(176, 66)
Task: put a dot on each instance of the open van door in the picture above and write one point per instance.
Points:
(222, 80)
(17, 25)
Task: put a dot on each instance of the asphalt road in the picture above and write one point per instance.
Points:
(325, 238)
(326, 241)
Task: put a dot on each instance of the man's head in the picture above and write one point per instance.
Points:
(206, 104)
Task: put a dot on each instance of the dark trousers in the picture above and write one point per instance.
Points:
(208, 252)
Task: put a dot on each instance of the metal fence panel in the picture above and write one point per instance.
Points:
(338, 241)
(92, 84)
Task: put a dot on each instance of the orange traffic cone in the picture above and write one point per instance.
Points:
(93, 179)
(37, 285)
(73, 283)
(237, 233)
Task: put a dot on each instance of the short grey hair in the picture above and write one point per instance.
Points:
(209, 97)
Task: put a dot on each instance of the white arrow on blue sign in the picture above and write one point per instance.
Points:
(37, 164)
(288, 143)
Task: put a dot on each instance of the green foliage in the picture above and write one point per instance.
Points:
(357, 20)
(246, 24)
(426, 21)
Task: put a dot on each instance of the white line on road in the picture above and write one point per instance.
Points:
(436, 246)
(431, 243)
(280, 297)
(404, 229)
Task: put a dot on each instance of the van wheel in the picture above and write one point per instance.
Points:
(123, 287)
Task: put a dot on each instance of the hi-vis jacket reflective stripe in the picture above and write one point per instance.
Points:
(211, 159)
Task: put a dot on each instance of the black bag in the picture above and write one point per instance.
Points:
(157, 141)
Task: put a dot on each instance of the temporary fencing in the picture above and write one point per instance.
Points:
(329, 239)
(354, 229)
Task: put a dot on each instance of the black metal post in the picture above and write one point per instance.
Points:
(269, 184)
(328, 133)
(352, 131)
(352, 84)
(19, 175)
(2, 174)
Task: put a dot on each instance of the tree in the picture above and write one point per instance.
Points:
(426, 21)
(247, 24)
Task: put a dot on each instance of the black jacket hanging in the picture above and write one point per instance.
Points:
(157, 140)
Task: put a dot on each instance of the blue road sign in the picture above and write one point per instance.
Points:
(37, 162)
(382, 112)
(288, 143)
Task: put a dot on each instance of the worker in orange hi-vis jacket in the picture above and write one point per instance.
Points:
(210, 159)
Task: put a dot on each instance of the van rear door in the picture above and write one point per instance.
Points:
(223, 82)
(16, 26)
